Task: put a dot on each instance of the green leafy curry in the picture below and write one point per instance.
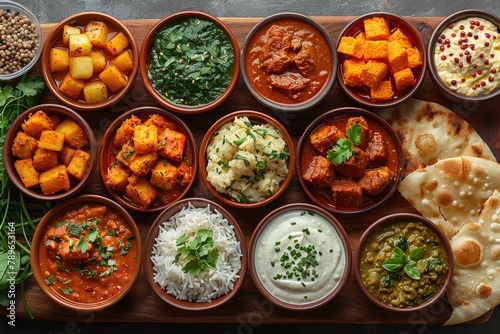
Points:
(191, 62)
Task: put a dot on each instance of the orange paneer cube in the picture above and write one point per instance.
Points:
(414, 58)
(27, 172)
(383, 92)
(403, 79)
(145, 139)
(375, 50)
(375, 73)
(376, 29)
(23, 146)
(54, 180)
(397, 57)
(351, 46)
(354, 70)
(399, 36)
(164, 175)
(117, 177)
(51, 140)
(172, 145)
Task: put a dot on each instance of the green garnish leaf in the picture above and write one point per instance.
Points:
(341, 152)
(417, 253)
(399, 261)
(50, 280)
(354, 133)
(412, 272)
(82, 245)
(198, 254)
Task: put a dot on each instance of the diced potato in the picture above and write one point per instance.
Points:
(124, 62)
(141, 164)
(160, 122)
(67, 31)
(141, 192)
(79, 45)
(126, 155)
(185, 174)
(44, 159)
(66, 154)
(116, 44)
(172, 144)
(98, 61)
(125, 132)
(81, 68)
(117, 177)
(54, 180)
(58, 60)
(97, 32)
(51, 140)
(73, 133)
(113, 78)
(37, 123)
(145, 139)
(71, 87)
(79, 164)
(56, 119)
(95, 92)
(23, 146)
(27, 172)
(164, 175)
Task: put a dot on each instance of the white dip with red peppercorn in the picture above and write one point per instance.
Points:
(299, 257)
(467, 57)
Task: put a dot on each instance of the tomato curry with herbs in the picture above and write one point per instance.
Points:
(288, 61)
(89, 254)
(351, 161)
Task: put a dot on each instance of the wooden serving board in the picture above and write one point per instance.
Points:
(249, 307)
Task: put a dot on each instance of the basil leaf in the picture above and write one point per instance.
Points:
(412, 272)
(392, 264)
(417, 253)
(398, 252)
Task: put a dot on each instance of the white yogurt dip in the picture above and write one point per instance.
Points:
(467, 56)
(299, 257)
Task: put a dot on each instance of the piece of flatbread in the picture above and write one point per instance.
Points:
(430, 132)
(452, 191)
(475, 287)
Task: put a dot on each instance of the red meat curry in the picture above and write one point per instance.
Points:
(288, 61)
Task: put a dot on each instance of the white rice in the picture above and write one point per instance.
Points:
(235, 158)
(210, 284)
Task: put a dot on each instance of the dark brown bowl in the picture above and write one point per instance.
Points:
(256, 265)
(38, 246)
(145, 61)
(256, 118)
(325, 66)
(107, 157)
(361, 94)
(9, 159)
(489, 70)
(151, 240)
(54, 39)
(388, 220)
(305, 151)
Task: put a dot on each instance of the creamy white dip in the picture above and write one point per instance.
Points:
(467, 56)
(311, 235)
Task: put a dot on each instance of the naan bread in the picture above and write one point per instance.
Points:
(430, 132)
(475, 288)
(452, 191)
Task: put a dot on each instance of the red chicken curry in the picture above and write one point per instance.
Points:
(288, 61)
(362, 178)
(89, 254)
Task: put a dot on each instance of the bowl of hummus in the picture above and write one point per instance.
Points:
(300, 257)
(464, 56)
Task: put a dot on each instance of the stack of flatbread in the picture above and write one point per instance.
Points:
(452, 178)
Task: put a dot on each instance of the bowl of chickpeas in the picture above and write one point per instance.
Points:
(21, 40)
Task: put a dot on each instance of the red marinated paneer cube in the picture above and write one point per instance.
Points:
(376, 149)
(320, 172)
(325, 137)
(356, 165)
(375, 181)
(346, 193)
(172, 144)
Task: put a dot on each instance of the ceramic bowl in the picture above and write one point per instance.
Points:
(235, 174)
(32, 188)
(220, 59)
(35, 39)
(180, 163)
(464, 57)
(374, 71)
(305, 81)
(318, 185)
(124, 68)
(201, 207)
(299, 257)
(63, 287)
(392, 235)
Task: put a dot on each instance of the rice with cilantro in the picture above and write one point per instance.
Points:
(181, 229)
(246, 161)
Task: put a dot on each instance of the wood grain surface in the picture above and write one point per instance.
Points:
(249, 307)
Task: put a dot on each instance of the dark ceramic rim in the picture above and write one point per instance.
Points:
(421, 48)
(390, 219)
(38, 236)
(436, 79)
(260, 117)
(56, 33)
(342, 235)
(109, 135)
(336, 113)
(150, 241)
(145, 55)
(316, 99)
(50, 109)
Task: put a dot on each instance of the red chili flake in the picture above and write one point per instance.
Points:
(460, 65)
(456, 59)
(483, 83)
(493, 70)
(443, 36)
(486, 62)
(439, 40)
(467, 52)
(474, 65)
(463, 46)
(469, 34)
(453, 82)
(492, 55)
(487, 35)
(481, 27)
(441, 48)
(447, 41)
(471, 27)
(473, 74)
(490, 79)
(479, 72)
(462, 34)
(477, 23)
(461, 54)
(486, 43)
(450, 25)
(443, 57)
(474, 87)
(476, 36)
(460, 41)
(481, 55)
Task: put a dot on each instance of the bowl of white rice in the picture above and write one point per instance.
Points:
(247, 159)
(194, 255)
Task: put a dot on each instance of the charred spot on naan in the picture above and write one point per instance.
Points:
(484, 290)
(467, 251)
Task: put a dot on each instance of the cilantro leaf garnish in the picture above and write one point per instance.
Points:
(198, 254)
(344, 148)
